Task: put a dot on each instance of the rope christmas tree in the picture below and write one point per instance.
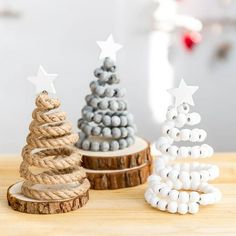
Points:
(51, 165)
(111, 153)
(106, 125)
(181, 187)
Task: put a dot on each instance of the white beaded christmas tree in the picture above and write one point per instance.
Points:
(180, 187)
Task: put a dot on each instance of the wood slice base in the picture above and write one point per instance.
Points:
(118, 169)
(115, 179)
(28, 205)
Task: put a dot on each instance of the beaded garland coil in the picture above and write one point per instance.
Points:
(51, 165)
(180, 187)
(112, 155)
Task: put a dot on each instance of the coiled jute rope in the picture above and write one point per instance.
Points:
(51, 165)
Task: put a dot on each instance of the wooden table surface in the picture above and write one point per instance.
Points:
(122, 212)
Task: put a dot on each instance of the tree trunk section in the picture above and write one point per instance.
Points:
(27, 205)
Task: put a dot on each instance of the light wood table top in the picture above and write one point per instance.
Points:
(122, 212)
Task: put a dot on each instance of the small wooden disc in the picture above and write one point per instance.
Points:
(28, 205)
(115, 179)
(133, 156)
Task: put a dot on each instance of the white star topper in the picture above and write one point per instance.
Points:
(109, 48)
(43, 81)
(183, 94)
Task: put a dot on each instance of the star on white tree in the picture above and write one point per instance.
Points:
(43, 81)
(183, 94)
(109, 48)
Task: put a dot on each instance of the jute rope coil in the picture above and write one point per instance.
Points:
(50, 150)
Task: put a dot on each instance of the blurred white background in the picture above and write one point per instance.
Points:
(61, 35)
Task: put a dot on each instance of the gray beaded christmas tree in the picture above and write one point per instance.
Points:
(106, 125)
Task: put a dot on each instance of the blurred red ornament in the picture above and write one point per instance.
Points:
(191, 39)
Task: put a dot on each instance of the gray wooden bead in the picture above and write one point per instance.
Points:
(104, 146)
(88, 116)
(106, 120)
(80, 122)
(109, 92)
(114, 105)
(108, 63)
(98, 72)
(86, 144)
(123, 121)
(94, 146)
(114, 145)
(82, 135)
(106, 132)
(99, 90)
(113, 79)
(130, 118)
(104, 76)
(116, 133)
(96, 131)
(97, 118)
(120, 92)
(94, 102)
(122, 143)
(88, 97)
(124, 132)
(93, 85)
(129, 141)
(87, 129)
(87, 109)
(103, 104)
(115, 120)
(130, 131)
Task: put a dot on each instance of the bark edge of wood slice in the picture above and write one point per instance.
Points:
(133, 156)
(21, 203)
(116, 179)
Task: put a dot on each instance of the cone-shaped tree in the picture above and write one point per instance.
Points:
(51, 165)
(181, 187)
(106, 125)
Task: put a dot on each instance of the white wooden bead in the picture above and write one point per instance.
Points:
(153, 201)
(204, 199)
(154, 178)
(173, 195)
(193, 208)
(148, 195)
(171, 114)
(204, 175)
(186, 184)
(161, 141)
(173, 133)
(184, 108)
(183, 152)
(162, 205)
(184, 175)
(202, 135)
(164, 173)
(173, 175)
(194, 137)
(195, 152)
(164, 191)
(182, 208)
(164, 147)
(194, 197)
(172, 150)
(195, 185)
(172, 207)
(180, 120)
(185, 134)
(183, 197)
(178, 184)
(195, 176)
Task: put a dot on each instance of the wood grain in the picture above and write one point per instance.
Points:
(123, 211)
